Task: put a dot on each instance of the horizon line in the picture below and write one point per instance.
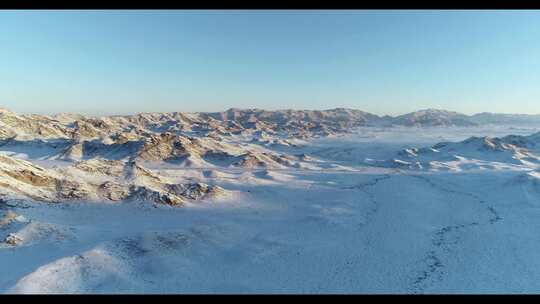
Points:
(262, 109)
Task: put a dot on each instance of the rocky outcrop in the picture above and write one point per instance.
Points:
(101, 166)
(168, 147)
(253, 159)
(194, 191)
(113, 191)
(72, 190)
(141, 193)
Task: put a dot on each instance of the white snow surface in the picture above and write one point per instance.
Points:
(336, 224)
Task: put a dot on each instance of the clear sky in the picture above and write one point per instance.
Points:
(384, 62)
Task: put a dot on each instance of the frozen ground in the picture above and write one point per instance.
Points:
(349, 228)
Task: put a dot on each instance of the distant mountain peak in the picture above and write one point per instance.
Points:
(433, 117)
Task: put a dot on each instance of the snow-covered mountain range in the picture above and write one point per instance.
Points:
(293, 123)
(236, 201)
(103, 158)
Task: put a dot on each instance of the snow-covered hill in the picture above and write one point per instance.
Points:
(433, 117)
(474, 152)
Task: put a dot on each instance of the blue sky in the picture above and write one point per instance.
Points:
(385, 62)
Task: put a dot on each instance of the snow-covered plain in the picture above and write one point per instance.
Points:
(346, 228)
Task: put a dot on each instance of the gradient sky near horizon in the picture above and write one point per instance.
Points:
(384, 62)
